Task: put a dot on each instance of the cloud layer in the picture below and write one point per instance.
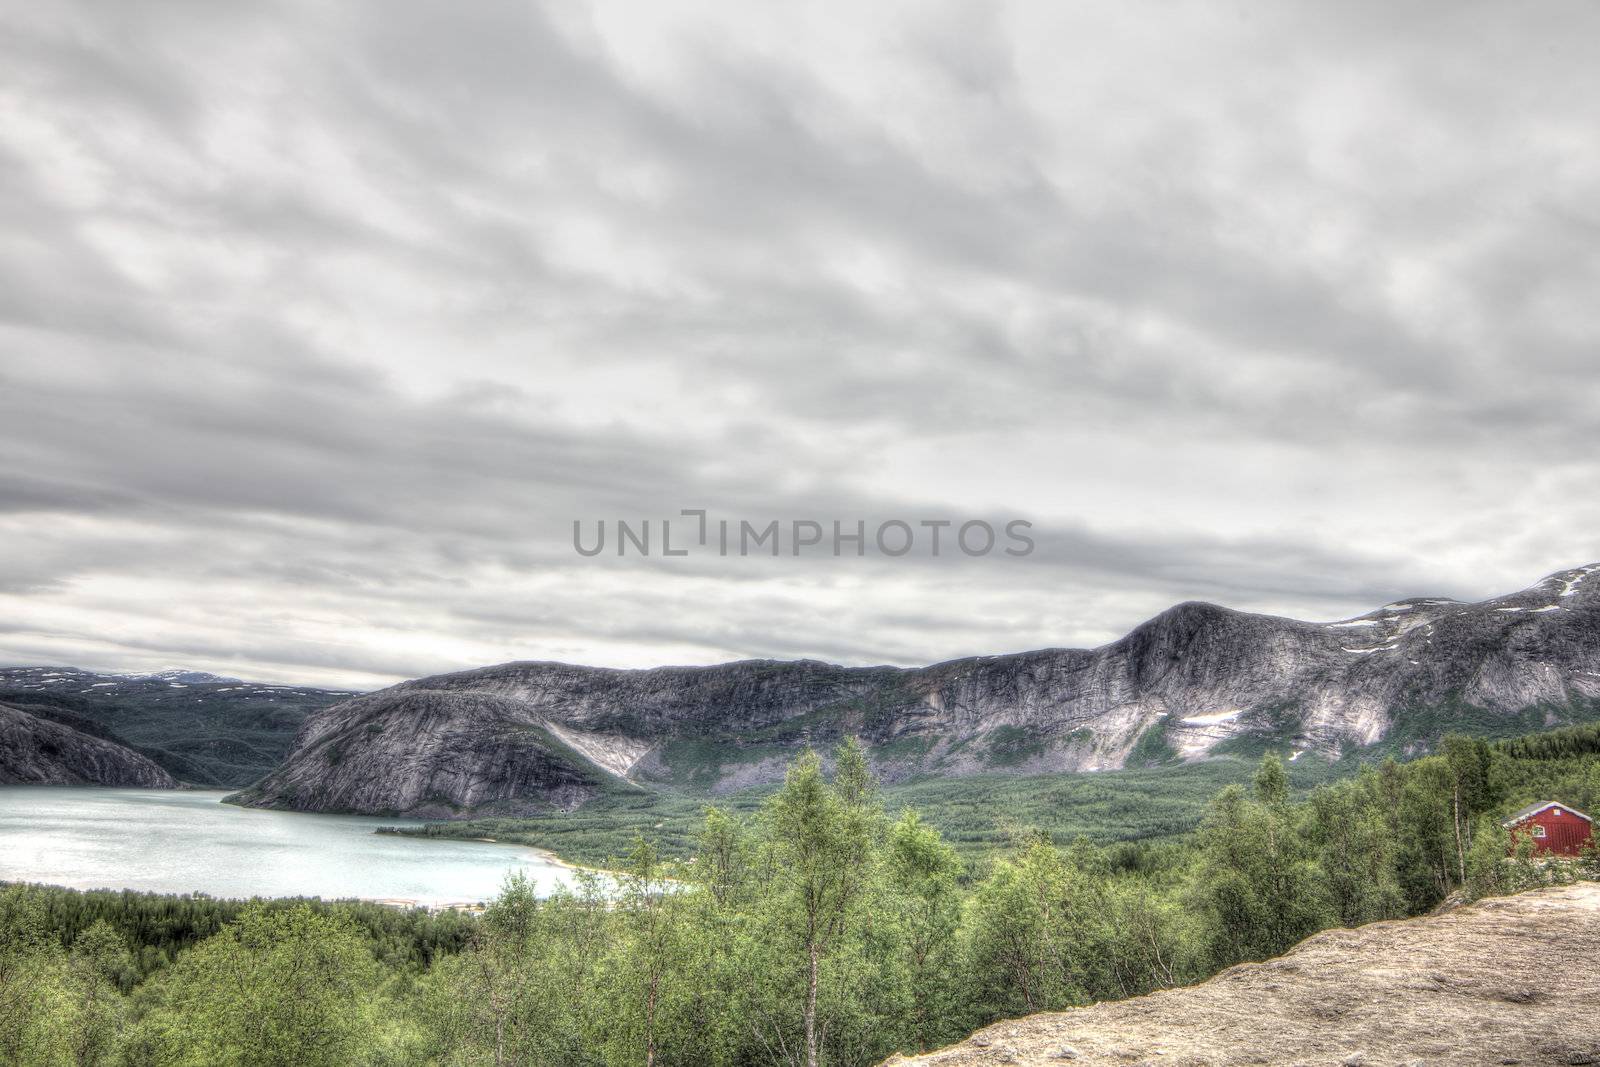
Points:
(320, 324)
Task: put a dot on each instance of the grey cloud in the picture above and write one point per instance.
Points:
(345, 313)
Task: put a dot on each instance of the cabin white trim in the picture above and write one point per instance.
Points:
(1529, 812)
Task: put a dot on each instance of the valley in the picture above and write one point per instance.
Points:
(200, 728)
(978, 815)
(614, 534)
(913, 943)
(1125, 743)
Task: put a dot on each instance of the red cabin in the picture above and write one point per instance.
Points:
(1555, 828)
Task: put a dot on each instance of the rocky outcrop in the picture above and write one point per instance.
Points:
(1196, 680)
(36, 750)
(1509, 980)
(429, 754)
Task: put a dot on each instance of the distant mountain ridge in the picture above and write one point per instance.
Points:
(1197, 680)
(202, 728)
(182, 677)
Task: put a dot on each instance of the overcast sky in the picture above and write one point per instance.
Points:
(321, 323)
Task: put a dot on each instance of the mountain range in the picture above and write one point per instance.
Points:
(1197, 681)
(1194, 682)
(201, 728)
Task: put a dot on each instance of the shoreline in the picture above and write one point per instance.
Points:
(544, 854)
(554, 859)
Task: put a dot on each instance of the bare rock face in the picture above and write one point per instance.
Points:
(1197, 680)
(428, 754)
(1508, 980)
(35, 750)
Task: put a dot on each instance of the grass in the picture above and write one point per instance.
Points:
(977, 814)
(1419, 726)
(601, 831)
(698, 764)
(1011, 745)
(1265, 729)
(1153, 749)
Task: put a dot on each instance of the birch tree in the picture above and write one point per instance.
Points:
(823, 850)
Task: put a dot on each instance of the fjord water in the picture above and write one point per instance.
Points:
(182, 841)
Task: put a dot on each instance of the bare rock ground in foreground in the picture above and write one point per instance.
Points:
(1512, 980)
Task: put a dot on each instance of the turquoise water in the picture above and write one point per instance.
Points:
(182, 841)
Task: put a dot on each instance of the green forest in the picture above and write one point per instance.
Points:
(825, 926)
(978, 814)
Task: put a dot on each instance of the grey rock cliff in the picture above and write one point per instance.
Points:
(35, 750)
(1194, 681)
(433, 754)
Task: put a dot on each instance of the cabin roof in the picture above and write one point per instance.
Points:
(1533, 809)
